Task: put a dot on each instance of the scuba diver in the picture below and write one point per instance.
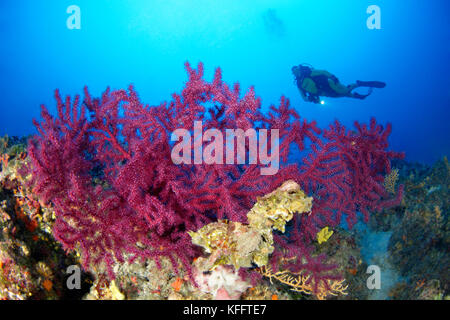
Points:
(313, 84)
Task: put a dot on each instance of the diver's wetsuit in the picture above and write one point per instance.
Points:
(315, 83)
(323, 85)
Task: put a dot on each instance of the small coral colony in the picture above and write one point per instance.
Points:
(97, 187)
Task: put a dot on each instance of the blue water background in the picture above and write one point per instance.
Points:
(146, 42)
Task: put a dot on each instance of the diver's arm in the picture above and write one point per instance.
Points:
(310, 97)
(309, 91)
(302, 92)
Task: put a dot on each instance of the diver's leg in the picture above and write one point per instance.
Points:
(339, 88)
(352, 86)
(369, 84)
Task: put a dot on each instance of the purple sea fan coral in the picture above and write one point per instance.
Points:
(105, 165)
(140, 202)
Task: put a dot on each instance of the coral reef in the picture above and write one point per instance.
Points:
(420, 240)
(104, 290)
(143, 281)
(118, 197)
(241, 245)
(323, 235)
(223, 283)
(344, 250)
(12, 146)
(419, 227)
(302, 283)
(32, 263)
(390, 181)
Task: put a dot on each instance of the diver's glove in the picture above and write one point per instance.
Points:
(314, 99)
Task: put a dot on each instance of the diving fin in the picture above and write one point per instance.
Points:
(371, 84)
(362, 96)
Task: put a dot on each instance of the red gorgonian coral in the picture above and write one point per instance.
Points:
(105, 165)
